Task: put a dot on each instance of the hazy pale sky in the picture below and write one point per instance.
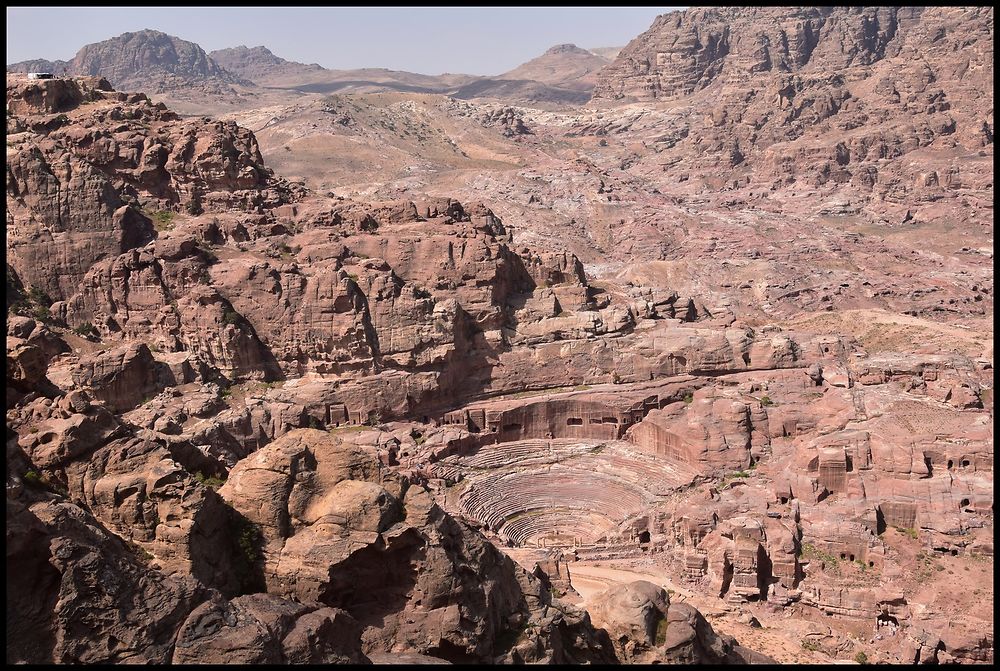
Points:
(429, 40)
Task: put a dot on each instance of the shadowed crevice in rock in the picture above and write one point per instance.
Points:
(246, 545)
(376, 580)
(32, 589)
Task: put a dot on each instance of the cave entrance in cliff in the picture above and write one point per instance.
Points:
(880, 525)
(453, 653)
(727, 577)
(886, 620)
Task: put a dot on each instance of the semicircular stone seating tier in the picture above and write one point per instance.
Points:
(552, 503)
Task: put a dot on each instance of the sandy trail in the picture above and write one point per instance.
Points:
(592, 579)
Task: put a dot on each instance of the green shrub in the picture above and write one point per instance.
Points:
(209, 481)
(736, 475)
(661, 631)
(163, 220)
(689, 398)
(194, 207)
(247, 537)
(36, 480)
(766, 401)
(810, 645)
(511, 637)
(37, 295)
(140, 552)
(87, 330)
(41, 313)
(245, 540)
(16, 300)
(231, 316)
(810, 551)
(286, 253)
(861, 657)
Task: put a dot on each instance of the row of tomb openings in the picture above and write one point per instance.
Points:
(479, 420)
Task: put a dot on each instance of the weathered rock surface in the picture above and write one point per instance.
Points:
(293, 427)
(647, 628)
(263, 629)
(334, 531)
(81, 597)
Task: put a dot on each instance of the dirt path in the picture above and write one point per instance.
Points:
(591, 579)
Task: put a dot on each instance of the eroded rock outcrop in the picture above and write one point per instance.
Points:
(334, 529)
(649, 629)
(82, 596)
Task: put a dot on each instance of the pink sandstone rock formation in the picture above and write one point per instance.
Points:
(248, 422)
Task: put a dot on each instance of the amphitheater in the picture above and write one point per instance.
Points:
(565, 492)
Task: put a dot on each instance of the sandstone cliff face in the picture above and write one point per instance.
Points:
(82, 596)
(684, 52)
(770, 76)
(137, 480)
(335, 287)
(72, 198)
(785, 72)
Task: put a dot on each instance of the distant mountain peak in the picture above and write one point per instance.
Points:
(257, 63)
(565, 49)
(565, 67)
(147, 59)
